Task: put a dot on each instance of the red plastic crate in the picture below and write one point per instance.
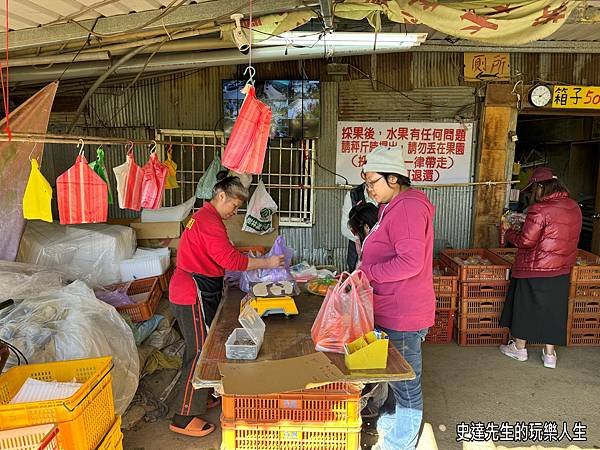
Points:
(507, 254)
(590, 271)
(145, 308)
(496, 271)
(482, 337)
(445, 302)
(339, 407)
(441, 331)
(584, 306)
(481, 307)
(487, 290)
(475, 323)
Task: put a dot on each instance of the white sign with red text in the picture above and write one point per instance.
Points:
(434, 152)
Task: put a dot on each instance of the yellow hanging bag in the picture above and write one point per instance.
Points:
(38, 196)
(171, 181)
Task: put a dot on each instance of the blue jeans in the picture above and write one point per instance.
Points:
(399, 430)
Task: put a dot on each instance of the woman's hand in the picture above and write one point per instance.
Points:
(273, 262)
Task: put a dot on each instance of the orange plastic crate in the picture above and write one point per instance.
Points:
(507, 254)
(583, 338)
(165, 279)
(441, 331)
(39, 437)
(150, 292)
(585, 323)
(446, 284)
(588, 272)
(445, 302)
(475, 323)
(584, 306)
(82, 419)
(481, 307)
(587, 290)
(482, 337)
(288, 437)
(491, 290)
(496, 271)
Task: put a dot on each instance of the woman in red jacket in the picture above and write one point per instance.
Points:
(537, 300)
(195, 291)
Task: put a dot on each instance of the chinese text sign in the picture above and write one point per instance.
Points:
(585, 97)
(434, 152)
(480, 66)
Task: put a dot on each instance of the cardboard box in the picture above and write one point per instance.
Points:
(158, 230)
(244, 239)
(172, 243)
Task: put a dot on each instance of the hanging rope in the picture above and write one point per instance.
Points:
(5, 86)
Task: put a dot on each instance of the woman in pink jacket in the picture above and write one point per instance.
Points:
(397, 257)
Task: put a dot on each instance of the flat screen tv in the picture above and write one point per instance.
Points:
(295, 105)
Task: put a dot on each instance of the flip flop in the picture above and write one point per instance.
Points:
(196, 428)
(213, 402)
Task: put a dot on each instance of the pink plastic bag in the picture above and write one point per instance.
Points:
(153, 184)
(346, 313)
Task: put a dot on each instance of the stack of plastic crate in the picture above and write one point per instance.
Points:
(445, 285)
(482, 291)
(584, 301)
(85, 421)
(323, 418)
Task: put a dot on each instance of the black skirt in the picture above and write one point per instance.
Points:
(536, 309)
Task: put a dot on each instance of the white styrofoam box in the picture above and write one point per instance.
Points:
(90, 252)
(146, 262)
(169, 213)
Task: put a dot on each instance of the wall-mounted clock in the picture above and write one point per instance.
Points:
(540, 95)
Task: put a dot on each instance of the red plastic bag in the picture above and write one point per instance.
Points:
(129, 178)
(153, 184)
(247, 144)
(82, 195)
(346, 313)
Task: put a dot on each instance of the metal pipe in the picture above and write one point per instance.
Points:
(540, 47)
(57, 59)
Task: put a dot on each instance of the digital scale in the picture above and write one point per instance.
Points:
(266, 306)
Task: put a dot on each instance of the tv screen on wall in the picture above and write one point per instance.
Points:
(295, 105)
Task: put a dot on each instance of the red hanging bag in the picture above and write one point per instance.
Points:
(153, 184)
(132, 198)
(82, 195)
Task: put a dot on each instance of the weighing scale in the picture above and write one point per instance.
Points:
(266, 306)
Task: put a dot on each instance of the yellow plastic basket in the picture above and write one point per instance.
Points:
(114, 438)
(287, 437)
(82, 419)
(39, 437)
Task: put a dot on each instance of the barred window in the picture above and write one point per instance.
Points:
(287, 171)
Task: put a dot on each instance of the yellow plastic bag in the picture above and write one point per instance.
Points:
(171, 182)
(38, 196)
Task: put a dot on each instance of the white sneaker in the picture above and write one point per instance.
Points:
(549, 360)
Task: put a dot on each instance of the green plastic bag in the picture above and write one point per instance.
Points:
(99, 167)
(209, 179)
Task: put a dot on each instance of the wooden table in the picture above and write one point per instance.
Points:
(284, 338)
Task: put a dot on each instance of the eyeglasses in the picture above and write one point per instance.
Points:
(370, 184)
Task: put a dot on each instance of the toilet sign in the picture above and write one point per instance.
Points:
(434, 152)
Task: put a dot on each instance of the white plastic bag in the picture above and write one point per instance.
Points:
(259, 217)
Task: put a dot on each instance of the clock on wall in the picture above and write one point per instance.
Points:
(540, 95)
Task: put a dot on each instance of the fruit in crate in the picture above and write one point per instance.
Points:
(319, 286)
(474, 260)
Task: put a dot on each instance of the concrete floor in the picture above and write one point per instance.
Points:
(469, 384)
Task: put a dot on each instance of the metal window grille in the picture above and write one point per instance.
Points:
(287, 174)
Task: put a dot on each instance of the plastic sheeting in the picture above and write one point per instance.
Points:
(31, 117)
(71, 323)
(91, 252)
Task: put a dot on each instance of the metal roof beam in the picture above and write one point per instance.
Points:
(71, 32)
(443, 45)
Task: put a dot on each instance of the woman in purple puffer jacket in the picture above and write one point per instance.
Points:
(536, 306)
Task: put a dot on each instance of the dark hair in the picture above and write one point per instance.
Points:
(232, 186)
(402, 180)
(362, 214)
(550, 187)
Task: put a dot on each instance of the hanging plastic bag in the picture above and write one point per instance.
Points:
(247, 144)
(251, 277)
(171, 181)
(82, 195)
(259, 217)
(345, 315)
(153, 184)
(209, 179)
(99, 167)
(37, 199)
(129, 183)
